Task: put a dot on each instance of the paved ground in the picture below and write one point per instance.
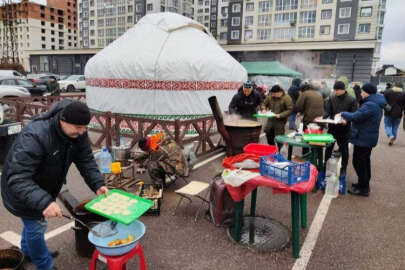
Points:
(358, 233)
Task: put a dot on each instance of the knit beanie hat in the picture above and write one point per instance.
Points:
(339, 85)
(369, 88)
(76, 113)
(276, 88)
(248, 84)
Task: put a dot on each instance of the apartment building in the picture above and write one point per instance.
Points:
(103, 21)
(320, 38)
(30, 26)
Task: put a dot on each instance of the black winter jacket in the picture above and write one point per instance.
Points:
(37, 164)
(338, 104)
(294, 89)
(394, 97)
(244, 105)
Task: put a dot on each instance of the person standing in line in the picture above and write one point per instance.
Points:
(36, 168)
(393, 112)
(357, 92)
(246, 101)
(349, 90)
(310, 104)
(364, 135)
(293, 92)
(280, 104)
(339, 102)
(325, 91)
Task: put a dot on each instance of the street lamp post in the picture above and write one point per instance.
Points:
(353, 66)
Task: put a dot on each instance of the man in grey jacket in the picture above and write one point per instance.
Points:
(36, 168)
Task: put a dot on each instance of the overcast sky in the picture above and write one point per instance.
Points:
(393, 45)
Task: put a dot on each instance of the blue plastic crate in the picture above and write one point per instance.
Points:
(290, 174)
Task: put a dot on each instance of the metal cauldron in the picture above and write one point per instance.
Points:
(122, 154)
(11, 259)
(242, 132)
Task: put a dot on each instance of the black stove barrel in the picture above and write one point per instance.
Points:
(216, 111)
(83, 246)
(69, 201)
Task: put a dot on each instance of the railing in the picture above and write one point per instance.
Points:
(107, 128)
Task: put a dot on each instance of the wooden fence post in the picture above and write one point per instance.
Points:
(177, 132)
(117, 129)
(19, 111)
(108, 138)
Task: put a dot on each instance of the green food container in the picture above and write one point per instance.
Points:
(264, 115)
(125, 215)
(321, 138)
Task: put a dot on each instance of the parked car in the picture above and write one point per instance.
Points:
(13, 91)
(63, 77)
(11, 73)
(35, 90)
(50, 80)
(73, 83)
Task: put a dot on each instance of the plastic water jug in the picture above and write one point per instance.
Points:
(105, 160)
(331, 166)
(332, 186)
(1, 114)
(331, 178)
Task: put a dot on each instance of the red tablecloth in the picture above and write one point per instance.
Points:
(239, 193)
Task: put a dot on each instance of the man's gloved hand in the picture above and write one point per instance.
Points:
(53, 210)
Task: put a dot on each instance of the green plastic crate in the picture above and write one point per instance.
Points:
(136, 210)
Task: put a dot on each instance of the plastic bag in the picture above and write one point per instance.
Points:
(236, 178)
(247, 164)
(189, 153)
(228, 162)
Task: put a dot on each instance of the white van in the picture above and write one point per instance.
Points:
(10, 73)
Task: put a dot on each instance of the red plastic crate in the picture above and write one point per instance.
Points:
(260, 149)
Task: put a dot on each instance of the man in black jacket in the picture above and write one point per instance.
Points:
(246, 102)
(341, 101)
(294, 92)
(36, 168)
(393, 112)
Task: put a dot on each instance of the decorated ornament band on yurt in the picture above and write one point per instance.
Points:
(165, 67)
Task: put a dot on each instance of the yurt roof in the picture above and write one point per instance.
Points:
(166, 65)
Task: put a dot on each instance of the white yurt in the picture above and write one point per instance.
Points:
(165, 67)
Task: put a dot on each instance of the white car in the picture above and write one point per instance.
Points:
(13, 91)
(73, 83)
(11, 73)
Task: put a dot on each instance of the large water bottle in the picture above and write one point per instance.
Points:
(1, 114)
(331, 178)
(105, 160)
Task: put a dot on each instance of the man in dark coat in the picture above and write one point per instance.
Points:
(36, 168)
(393, 112)
(310, 103)
(280, 104)
(339, 102)
(293, 92)
(364, 135)
(246, 102)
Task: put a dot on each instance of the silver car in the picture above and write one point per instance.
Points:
(13, 91)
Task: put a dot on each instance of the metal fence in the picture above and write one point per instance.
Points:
(106, 128)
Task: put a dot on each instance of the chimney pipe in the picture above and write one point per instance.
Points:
(220, 123)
